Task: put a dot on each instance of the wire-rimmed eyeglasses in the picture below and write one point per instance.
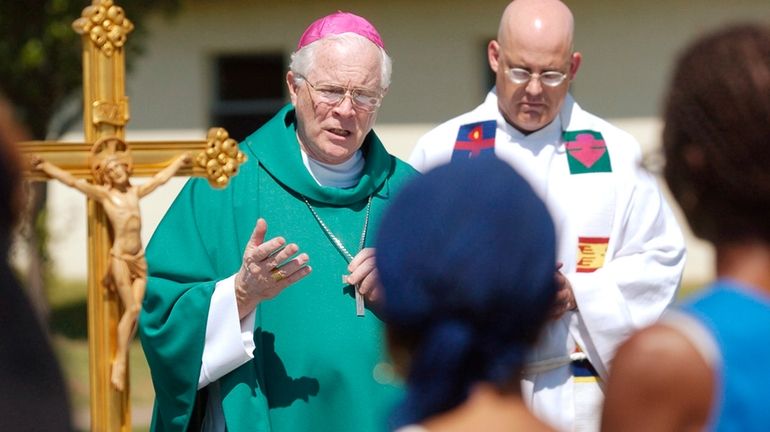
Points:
(331, 94)
(548, 78)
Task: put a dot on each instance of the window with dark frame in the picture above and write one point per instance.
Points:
(248, 90)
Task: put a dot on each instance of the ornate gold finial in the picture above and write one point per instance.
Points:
(221, 158)
(106, 24)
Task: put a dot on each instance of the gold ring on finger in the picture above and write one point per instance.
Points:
(277, 275)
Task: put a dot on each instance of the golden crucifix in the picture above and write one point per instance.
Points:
(101, 168)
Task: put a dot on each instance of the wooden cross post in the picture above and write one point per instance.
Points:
(104, 30)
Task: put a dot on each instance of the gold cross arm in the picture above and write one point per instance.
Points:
(217, 158)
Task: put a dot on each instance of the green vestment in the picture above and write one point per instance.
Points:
(317, 366)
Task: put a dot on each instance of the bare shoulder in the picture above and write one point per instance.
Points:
(660, 343)
(658, 381)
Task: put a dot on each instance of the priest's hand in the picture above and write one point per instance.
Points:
(363, 275)
(265, 271)
(565, 298)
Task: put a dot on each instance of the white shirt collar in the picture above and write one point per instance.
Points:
(344, 175)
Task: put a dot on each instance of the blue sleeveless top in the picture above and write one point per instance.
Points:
(739, 320)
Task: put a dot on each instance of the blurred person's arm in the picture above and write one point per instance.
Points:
(658, 382)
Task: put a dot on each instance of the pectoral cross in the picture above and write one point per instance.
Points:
(104, 161)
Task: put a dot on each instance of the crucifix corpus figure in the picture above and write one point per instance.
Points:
(111, 166)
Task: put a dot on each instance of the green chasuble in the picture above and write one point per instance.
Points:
(317, 366)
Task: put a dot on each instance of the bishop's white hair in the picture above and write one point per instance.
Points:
(303, 60)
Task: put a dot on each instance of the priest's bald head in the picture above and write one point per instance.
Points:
(533, 61)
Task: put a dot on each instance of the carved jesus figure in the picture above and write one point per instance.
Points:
(128, 268)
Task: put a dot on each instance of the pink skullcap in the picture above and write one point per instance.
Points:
(337, 23)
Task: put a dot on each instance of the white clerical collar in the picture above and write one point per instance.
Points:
(548, 134)
(535, 141)
(342, 175)
(551, 131)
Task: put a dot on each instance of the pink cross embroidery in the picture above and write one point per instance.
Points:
(586, 149)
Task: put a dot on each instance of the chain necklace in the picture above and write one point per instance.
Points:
(341, 247)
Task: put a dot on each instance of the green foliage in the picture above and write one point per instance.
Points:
(69, 309)
(40, 53)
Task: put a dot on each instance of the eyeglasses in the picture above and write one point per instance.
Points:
(548, 78)
(365, 99)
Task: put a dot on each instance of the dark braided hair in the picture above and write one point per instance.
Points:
(466, 257)
(716, 137)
